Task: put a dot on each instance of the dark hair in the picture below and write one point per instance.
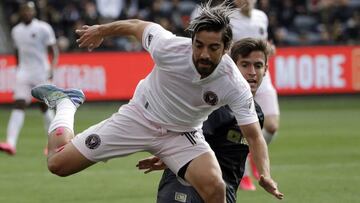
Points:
(27, 5)
(245, 46)
(213, 19)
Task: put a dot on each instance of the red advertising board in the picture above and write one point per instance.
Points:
(316, 70)
(102, 76)
(114, 75)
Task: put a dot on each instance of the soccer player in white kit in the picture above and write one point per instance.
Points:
(32, 39)
(190, 79)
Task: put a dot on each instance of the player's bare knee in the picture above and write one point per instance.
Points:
(215, 190)
(272, 128)
(271, 125)
(57, 167)
(214, 187)
(218, 186)
(56, 164)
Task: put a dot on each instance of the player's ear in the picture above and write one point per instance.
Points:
(266, 69)
(227, 47)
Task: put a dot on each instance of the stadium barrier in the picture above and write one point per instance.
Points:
(114, 75)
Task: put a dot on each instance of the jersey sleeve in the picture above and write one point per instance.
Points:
(154, 38)
(49, 35)
(13, 37)
(241, 102)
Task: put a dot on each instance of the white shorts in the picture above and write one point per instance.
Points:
(266, 97)
(128, 131)
(23, 84)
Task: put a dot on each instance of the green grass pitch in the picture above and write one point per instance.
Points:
(315, 158)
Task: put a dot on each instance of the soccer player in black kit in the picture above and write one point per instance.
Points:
(221, 131)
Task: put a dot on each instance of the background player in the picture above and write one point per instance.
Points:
(32, 39)
(221, 131)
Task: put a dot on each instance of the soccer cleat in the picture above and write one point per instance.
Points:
(50, 94)
(254, 170)
(246, 184)
(6, 147)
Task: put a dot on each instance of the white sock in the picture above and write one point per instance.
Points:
(268, 136)
(64, 117)
(48, 117)
(15, 124)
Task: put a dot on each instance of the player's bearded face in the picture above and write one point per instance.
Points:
(208, 48)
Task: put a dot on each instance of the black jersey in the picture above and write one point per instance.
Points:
(223, 134)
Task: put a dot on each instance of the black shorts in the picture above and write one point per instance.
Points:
(172, 191)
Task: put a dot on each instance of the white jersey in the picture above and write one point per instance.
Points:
(242, 26)
(254, 26)
(173, 95)
(32, 41)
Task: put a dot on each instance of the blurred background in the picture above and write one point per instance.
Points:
(316, 71)
(291, 22)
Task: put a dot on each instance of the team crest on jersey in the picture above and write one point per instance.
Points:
(93, 141)
(180, 197)
(210, 98)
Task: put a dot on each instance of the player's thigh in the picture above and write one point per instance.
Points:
(25, 81)
(124, 133)
(204, 170)
(22, 88)
(171, 190)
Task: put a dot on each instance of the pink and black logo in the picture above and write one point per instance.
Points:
(93, 141)
(210, 98)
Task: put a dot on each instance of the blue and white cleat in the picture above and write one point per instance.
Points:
(50, 94)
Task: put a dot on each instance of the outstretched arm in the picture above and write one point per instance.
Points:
(259, 151)
(92, 36)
